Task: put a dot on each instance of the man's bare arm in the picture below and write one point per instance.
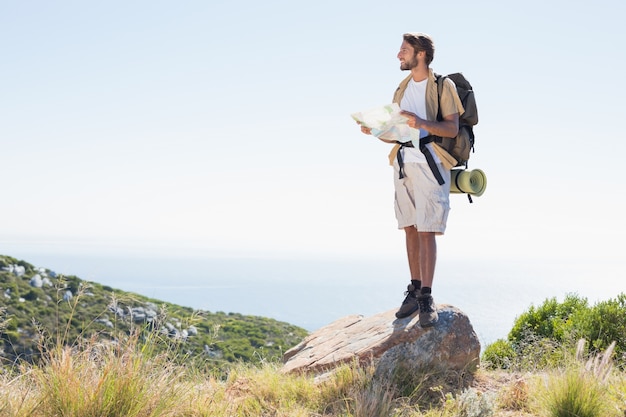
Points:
(447, 128)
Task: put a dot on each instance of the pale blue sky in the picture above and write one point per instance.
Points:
(223, 128)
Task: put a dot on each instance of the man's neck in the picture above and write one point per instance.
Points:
(420, 73)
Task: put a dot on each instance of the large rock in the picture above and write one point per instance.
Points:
(36, 281)
(451, 344)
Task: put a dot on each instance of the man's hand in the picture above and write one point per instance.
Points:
(364, 129)
(413, 120)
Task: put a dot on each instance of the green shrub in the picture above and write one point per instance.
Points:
(549, 320)
(541, 353)
(602, 324)
(539, 335)
(32, 295)
(499, 355)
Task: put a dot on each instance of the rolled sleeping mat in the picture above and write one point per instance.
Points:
(471, 182)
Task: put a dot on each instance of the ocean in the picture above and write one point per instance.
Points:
(311, 293)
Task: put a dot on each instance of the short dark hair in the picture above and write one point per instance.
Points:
(421, 42)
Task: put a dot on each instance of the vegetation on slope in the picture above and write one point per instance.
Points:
(43, 309)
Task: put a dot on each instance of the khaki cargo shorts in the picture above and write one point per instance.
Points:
(419, 199)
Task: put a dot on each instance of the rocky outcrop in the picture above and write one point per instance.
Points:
(388, 342)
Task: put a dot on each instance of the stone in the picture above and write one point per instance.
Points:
(105, 321)
(388, 342)
(18, 270)
(36, 281)
(119, 311)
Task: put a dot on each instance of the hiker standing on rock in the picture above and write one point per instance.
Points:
(422, 175)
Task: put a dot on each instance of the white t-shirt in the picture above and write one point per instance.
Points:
(414, 100)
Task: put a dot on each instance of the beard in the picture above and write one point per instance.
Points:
(408, 65)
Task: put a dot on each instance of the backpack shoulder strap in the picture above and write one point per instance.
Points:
(440, 79)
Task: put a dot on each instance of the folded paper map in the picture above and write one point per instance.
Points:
(388, 124)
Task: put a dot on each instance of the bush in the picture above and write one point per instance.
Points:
(537, 334)
(550, 320)
(500, 354)
(603, 324)
(31, 295)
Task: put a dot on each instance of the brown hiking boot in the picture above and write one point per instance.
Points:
(428, 310)
(409, 305)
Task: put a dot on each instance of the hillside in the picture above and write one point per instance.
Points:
(41, 307)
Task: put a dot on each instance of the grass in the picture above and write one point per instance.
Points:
(572, 394)
(140, 373)
(583, 389)
(129, 379)
(132, 376)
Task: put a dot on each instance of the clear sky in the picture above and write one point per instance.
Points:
(223, 128)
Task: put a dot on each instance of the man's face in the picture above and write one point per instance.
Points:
(407, 57)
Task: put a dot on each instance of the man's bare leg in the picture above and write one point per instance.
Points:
(409, 305)
(413, 252)
(422, 255)
(421, 248)
(428, 257)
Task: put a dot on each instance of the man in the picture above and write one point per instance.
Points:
(422, 175)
